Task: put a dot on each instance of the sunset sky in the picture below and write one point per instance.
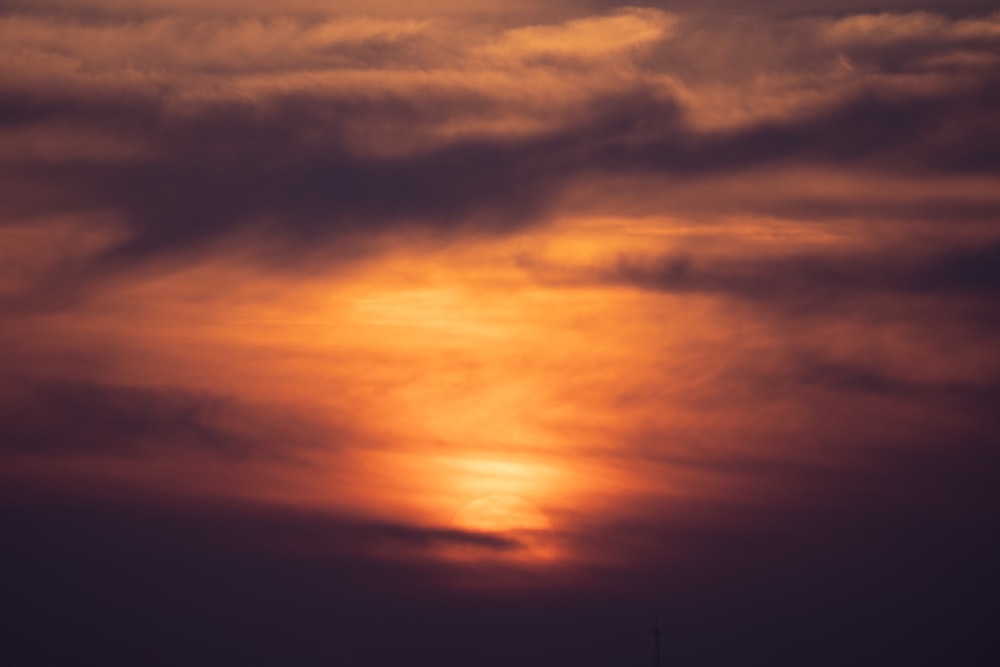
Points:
(469, 333)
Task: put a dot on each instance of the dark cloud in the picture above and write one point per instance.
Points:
(970, 272)
(126, 575)
(856, 378)
(889, 558)
(875, 554)
(938, 133)
(288, 167)
(894, 554)
(65, 418)
(239, 167)
(567, 7)
(813, 7)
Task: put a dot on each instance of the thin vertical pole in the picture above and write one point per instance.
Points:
(656, 634)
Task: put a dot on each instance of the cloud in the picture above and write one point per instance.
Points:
(72, 418)
(897, 540)
(969, 271)
(320, 133)
(713, 284)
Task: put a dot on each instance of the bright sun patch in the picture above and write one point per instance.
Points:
(501, 513)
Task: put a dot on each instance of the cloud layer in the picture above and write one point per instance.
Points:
(191, 130)
(714, 286)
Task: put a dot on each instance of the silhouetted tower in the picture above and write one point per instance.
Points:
(656, 638)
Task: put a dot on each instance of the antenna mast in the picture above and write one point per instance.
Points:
(656, 636)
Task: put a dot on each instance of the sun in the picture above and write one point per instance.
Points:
(501, 513)
(509, 517)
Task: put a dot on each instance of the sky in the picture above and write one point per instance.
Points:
(494, 333)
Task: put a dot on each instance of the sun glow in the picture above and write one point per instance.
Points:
(507, 517)
(501, 513)
(444, 375)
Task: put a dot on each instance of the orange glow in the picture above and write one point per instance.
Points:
(606, 348)
(501, 513)
(430, 377)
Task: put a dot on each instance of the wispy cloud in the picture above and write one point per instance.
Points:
(319, 131)
(711, 287)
